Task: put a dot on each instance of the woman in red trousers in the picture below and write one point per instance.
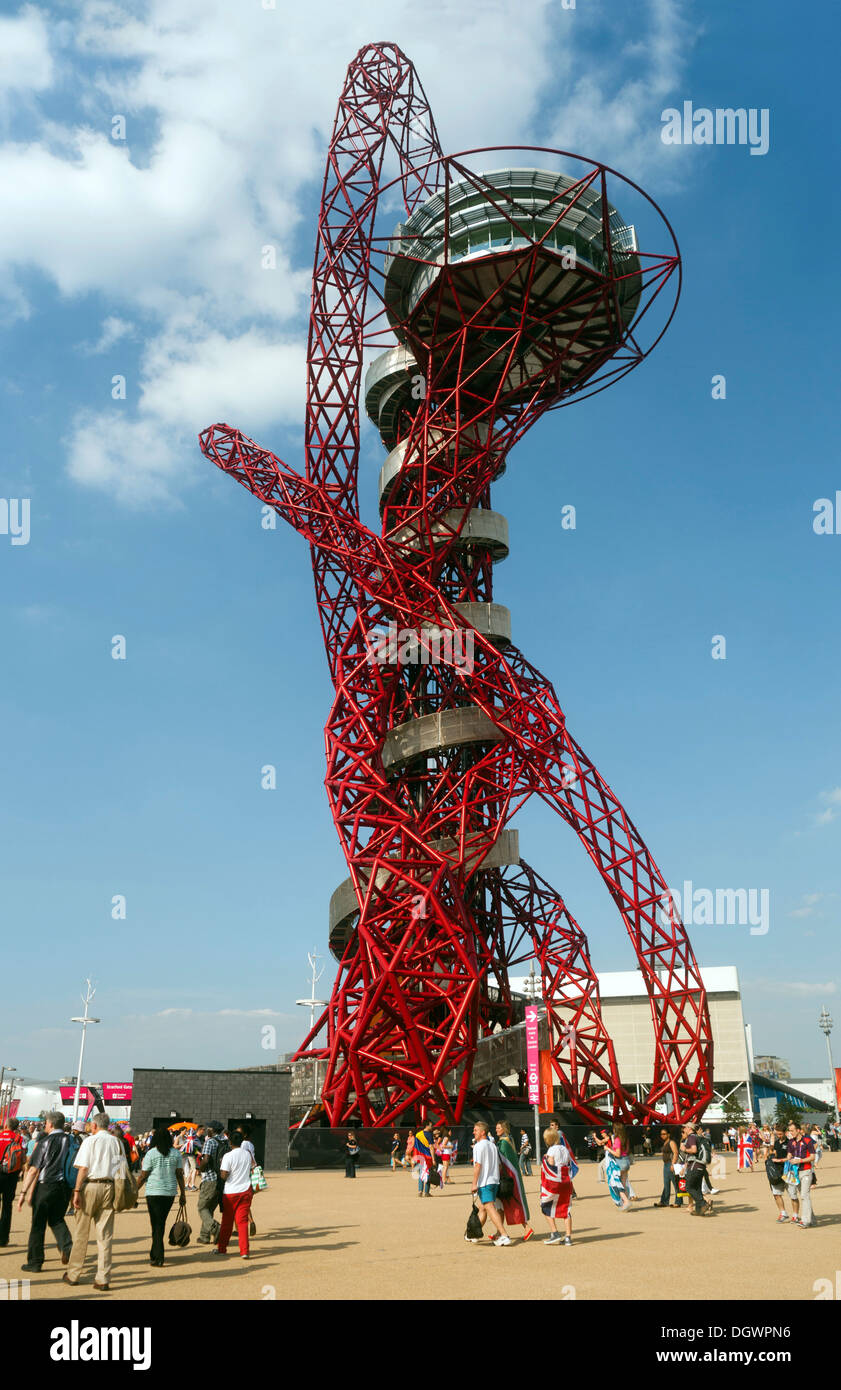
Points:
(235, 1168)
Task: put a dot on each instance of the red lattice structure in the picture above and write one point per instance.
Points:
(499, 296)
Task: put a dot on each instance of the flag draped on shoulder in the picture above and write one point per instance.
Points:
(515, 1207)
(556, 1185)
(573, 1166)
(422, 1145)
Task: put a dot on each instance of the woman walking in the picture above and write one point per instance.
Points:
(515, 1208)
(617, 1163)
(237, 1195)
(556, 1187)
(745, 1147)
(163, 1173)
(189, 1149)
(669, 1155)
(446, 1149)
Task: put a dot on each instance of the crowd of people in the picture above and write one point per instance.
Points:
(80, 1171)
(791, 1155)
(89, 1171)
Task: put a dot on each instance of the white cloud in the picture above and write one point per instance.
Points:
(227, 121)
(612, 103)
(808, 903)
(832, 801)
(114, 329)
(25, 62)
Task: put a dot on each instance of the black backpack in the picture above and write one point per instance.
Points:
(223, 1146)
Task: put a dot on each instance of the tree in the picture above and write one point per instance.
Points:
(733, 1110)
(787, 1111)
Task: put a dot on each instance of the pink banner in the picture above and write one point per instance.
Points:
(117, 1091)
(532, 1055)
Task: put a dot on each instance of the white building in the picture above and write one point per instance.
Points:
(627, 1017)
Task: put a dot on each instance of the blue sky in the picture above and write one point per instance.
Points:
(694, 516)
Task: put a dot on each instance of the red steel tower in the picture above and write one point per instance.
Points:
(501, 295)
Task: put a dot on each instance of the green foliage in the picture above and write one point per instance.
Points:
(786, 1111)
(733, 1110)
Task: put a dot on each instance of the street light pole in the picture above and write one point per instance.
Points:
(3, 1070)
(312, 1004)
(86, 999)
(10, 1100)
(825, 1025)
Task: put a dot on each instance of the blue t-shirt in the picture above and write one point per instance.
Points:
(162, 1169)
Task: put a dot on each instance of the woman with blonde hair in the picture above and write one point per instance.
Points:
(513, 1196)
(556, 1186)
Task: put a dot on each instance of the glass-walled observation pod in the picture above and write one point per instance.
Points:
(479, 268)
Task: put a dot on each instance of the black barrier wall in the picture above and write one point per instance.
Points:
(316, 1147)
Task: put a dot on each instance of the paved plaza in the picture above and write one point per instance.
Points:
(322, 1236)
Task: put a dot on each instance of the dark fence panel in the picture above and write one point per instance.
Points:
(317, 1147)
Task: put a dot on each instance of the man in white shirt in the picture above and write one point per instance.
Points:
(97, 1165)
(486, 1180)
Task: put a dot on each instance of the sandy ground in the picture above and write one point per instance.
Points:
(321, 1236)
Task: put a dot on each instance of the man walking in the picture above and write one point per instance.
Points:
(97, 1165)
(695, 1170)
(525, 1154)
(801, 1152)
(46, 1189)
(12, 1159)
(210, 1189)
(486, 1181)
(775, 1154)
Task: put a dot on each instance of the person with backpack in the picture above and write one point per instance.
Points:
(697, 1153)
(45, 1188)
(76, 1134)
(12, 1159)
(235, 1173)
(210, 1189)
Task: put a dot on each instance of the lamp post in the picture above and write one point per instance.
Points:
(825, 1025)
(3, 1071)
(312, 1004)
(85, 1020)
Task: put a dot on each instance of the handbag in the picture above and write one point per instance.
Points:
(258, 1179)
(473, 1229)
(506, 1187)
(125, 1188)
(180, 1230)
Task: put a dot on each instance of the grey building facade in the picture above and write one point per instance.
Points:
(260, 1098)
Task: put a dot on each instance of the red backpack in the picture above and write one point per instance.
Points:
(11, 1160)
